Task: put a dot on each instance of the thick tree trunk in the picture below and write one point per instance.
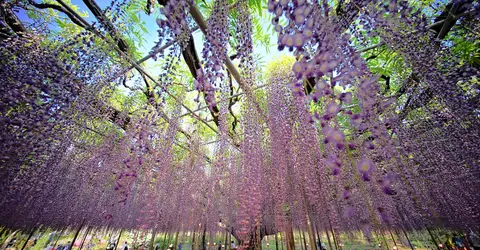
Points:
(112, 31)
(289, 238)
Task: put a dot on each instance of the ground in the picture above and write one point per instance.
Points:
(98, 240)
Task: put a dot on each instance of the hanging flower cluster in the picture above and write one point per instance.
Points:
(214, 53)
(244, 36)
(176, 12)
(175, 28)
(325, 59)
(333, 154)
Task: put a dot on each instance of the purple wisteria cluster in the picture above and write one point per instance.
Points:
(326, 61)
(334, 154)
(214, 53)
(175, 12)
(244, 36)
(51, 96)
(174, 29)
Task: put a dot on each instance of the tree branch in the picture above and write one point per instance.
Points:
(112, 31)
(59, 8)
(387, 83)
(232, 102)
(11, 20)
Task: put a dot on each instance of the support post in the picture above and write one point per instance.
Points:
(258, 238)
(311, 235)
(84, 237)
(59, 236)
(109, 234)
(135, 240)
(118, 239)
(333, 234)
(176, 240)
(203, 236)
(328, 238)
(75, 237)
(164, 241)
(433, 238)
(384, 240)
(193, 239)
(152, 240)
(228, 246)
(281, 241)
(28, 238)
(318, 236)
(226, 240)
(393, 238)
(276, 241)
(290, 240)
(304, 241)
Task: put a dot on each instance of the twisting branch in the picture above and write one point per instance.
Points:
(112, 31)
(232, 102)
(149, 7)
(117, 115)
(124, 83)
(373, 56)
(10, 19)
(387, 83)
(59, 8)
